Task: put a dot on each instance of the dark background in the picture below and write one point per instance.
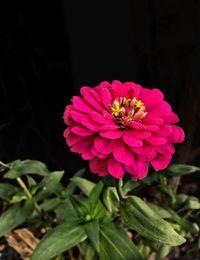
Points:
(49, 49)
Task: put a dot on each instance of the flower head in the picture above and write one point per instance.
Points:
(122, 128)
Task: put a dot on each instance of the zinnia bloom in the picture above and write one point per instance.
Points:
(122, 127)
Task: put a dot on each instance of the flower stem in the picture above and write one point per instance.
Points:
(119, 189)
(6, 166)
(29, 195)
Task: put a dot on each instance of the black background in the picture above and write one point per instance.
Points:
(49, 49)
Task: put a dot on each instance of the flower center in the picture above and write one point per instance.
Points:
(125, 110)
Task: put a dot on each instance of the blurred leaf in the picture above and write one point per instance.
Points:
(115, 244)
(18, 197)
(89, 252)
(130, 185)
(31, 181)
(49, 184)
(179, 200)
(19, 168)
(71, 186)
(59, 240)
(182, 169)
(144, 250)
(192, 203)
(92, 231)
(163, 251)
(15, 216)
(163, 213)
(189, 226)
(7, 191)
(83, 184)
(111, 199)
(108, 180)
(139, 217)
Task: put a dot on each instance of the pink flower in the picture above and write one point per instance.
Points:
(122, 128)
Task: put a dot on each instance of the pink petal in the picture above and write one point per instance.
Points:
(139, 169)
(90, 124)
(82, 106)
(148, 151)
(81, 147)
(92, 98)
(81, 130)
(149, 119)
(102, 119)
(166, 149)
(171, 118)
(76, 116)
(177, 135)
(151, 98)
(67, 117)
(105, 96)
(122, 153)
(165, 130)
(135, 125)
(103, 84)
(109, 127)
(152, 128)
(87, 155)
(98, 154)
(135, 87)
(162, 110)
(156, 140)
(130, 139)
(111, 134)
(72, 138)
(161, 162)
(140, 134)
(99, 166)
(121, 90)
(115, 168)
(104, 145)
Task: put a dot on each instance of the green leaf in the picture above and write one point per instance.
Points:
(50, 204)
(89, 252)
(31, 181)
(163, 213)
(80, 207)
(19, 168)
(71, 186)
(139, 217)
(179, 200)
(59, 240)
(92, 200)
(115, 244)
(182, 169)
(49, 184)
(7, 191)
(130, 185)
(111, 199)
(163, 251)
(92, 231)
(188, 226)
(192, 203)
(15, 216)
(66, 212)
(83, 184)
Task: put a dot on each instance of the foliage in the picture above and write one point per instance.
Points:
(97, 220)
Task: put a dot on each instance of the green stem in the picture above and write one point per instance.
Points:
(29, 195)
(119, 189)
